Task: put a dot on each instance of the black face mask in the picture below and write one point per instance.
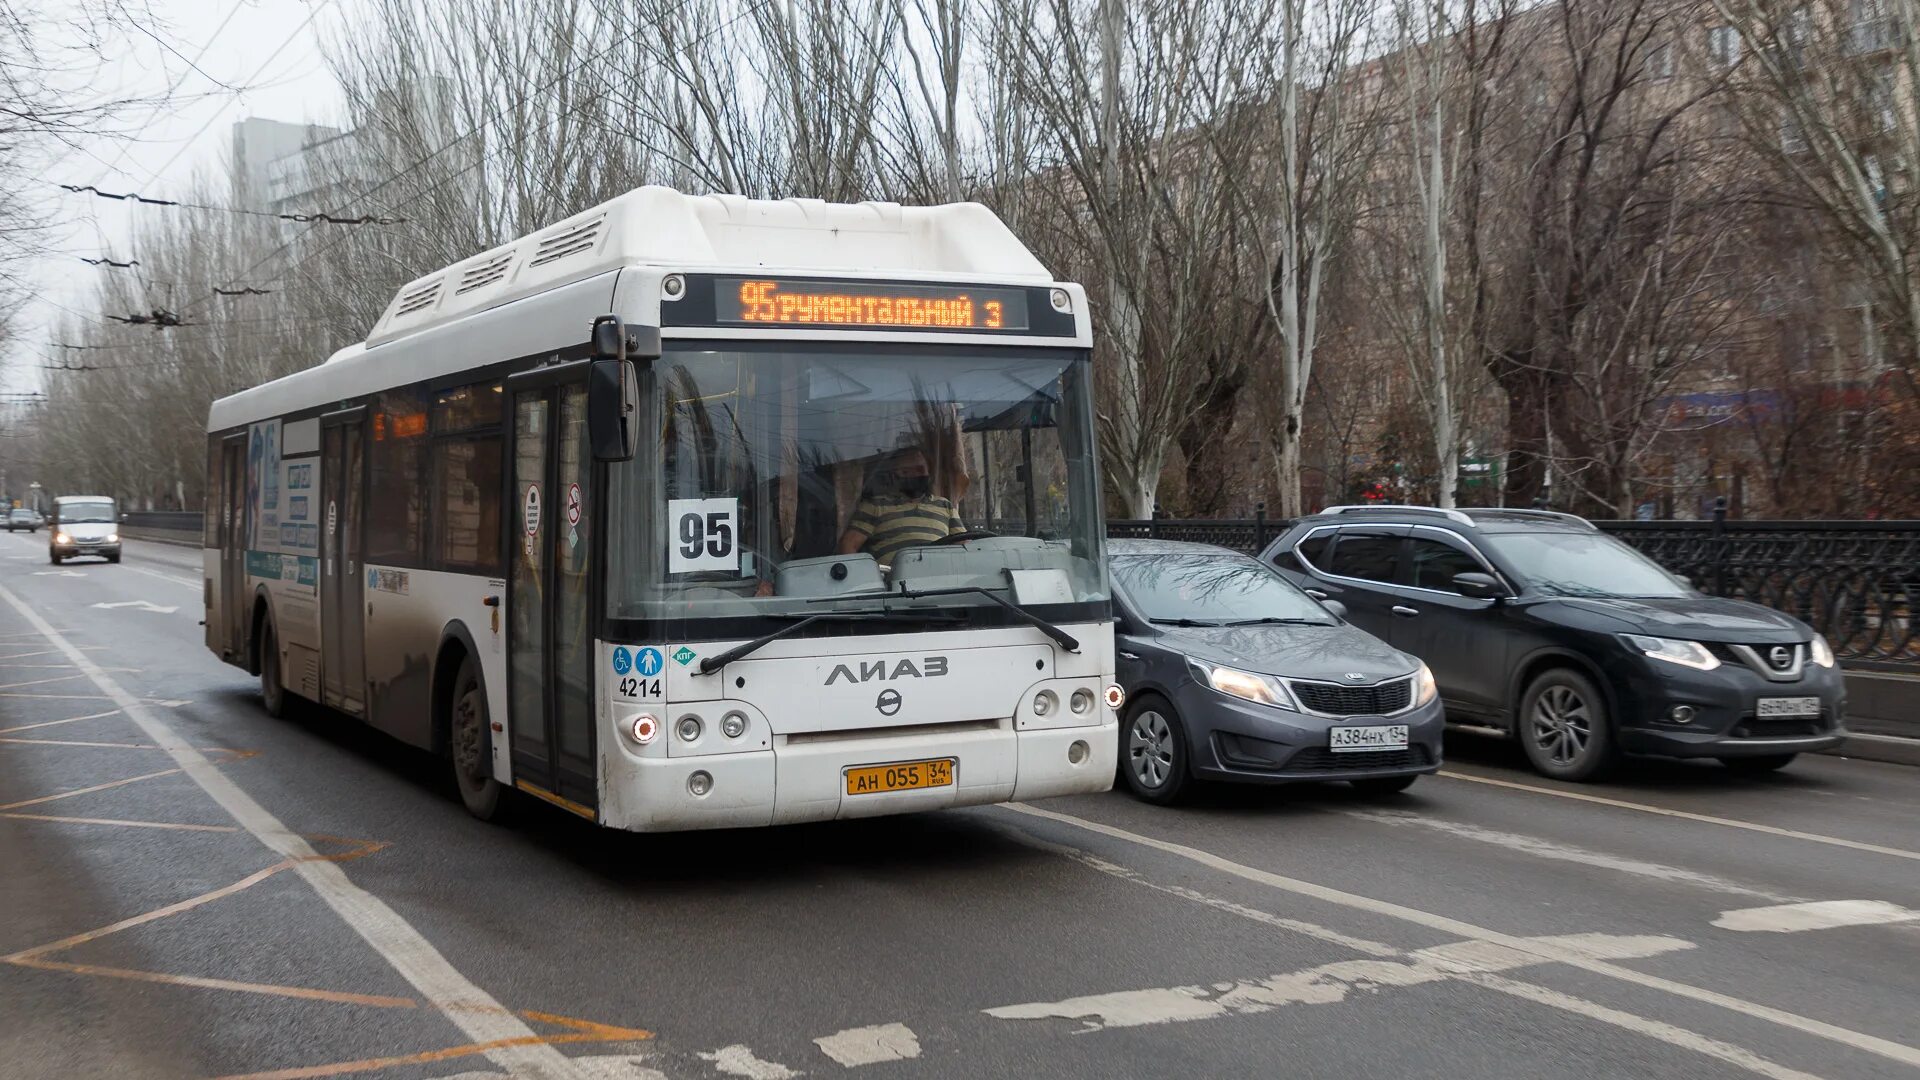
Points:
(913, 487)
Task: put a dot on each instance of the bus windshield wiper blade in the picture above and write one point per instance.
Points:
(714, 663)
(1067, 641)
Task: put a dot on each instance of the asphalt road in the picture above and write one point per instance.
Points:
(192, 889)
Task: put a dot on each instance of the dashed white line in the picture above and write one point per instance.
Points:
(739, 1060)
(468, 1007)
(1817, 915)
(870, 1045)
(1548, 849)
(1731, 823)
(1872, 1044)
(1326, 984)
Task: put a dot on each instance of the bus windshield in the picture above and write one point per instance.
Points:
(785, 479)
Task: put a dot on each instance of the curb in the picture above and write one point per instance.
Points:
(1888, 748)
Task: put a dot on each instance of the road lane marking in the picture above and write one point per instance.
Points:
(39, 682)
(1817, 915)
(1325, 984)
(1872, 1044)
(105, 745)
(1633, 1024)
(1751, 826)
(165, 577)
(87, 790)
(182, 826)
(871, 1045)
(475, 1012)
(52, 723)
(740, 1060)
(1543, 848)
(141, 605)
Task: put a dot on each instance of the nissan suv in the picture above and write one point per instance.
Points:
(1537, 623)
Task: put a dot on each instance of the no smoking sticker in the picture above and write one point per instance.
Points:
(573, 504)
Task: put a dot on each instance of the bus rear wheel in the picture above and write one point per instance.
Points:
(470, 745)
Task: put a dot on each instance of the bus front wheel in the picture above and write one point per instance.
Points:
(273, 692)
(470, 744)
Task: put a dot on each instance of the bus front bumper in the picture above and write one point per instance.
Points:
(807, 781)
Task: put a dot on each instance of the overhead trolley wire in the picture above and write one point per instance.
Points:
(457, 140)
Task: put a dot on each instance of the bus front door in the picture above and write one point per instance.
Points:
(343, 625)
(234, 600)
(550, 590)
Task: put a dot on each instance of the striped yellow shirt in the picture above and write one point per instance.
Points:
(892, 522)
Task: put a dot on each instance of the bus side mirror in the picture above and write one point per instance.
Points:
(613, 386)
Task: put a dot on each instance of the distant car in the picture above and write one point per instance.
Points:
(1539, 624)
(22, 519)
(83, 525)
(1233, 673)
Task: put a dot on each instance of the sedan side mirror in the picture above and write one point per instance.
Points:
(1335, 608)
(1478, 586)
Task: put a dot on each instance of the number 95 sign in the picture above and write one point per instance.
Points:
(704, 535)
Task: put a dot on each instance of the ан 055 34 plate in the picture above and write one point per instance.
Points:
(900, 776)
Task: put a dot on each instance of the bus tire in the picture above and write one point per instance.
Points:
(273, 692)
(470, 745)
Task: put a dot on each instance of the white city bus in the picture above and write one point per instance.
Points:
(692, 512)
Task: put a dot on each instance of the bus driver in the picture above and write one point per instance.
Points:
(902, 511)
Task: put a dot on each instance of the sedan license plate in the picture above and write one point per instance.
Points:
(1788, 706)
(1376, 737)
(900, 776)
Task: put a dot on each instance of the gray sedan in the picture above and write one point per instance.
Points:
(1233, 673)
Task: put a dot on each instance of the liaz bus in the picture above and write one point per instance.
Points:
(691, 512)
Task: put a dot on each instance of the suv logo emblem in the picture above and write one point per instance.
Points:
(1354, 676)
(888, 702)
(1781, 657)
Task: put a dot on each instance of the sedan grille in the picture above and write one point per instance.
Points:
(1321, 759)
(1334, 700)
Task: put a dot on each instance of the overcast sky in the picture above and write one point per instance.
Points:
(250, 58)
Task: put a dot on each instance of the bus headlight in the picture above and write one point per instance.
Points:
(1081, 702)
(699, 784)
(1044, 703)
(689, 728)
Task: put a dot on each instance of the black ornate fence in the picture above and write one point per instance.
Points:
(1857, 582)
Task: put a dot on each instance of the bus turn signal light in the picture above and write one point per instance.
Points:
(1116, 697)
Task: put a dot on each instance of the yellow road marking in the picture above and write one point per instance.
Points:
(123, 822)
(88, 790)
(1645, 808)
(52, 723)
(583, 1031)
(340, 997)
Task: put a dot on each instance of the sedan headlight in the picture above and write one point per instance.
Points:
(1424, 688)
(1822, 652)
(1261, 689)
(1674, 651)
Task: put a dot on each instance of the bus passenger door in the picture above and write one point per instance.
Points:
(233, 546)
(343, 624)
(550, 590)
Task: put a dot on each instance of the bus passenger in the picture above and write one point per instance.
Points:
(902, 511)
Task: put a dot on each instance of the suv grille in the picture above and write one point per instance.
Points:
(1354, 700)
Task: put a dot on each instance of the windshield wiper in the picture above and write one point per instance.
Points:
(714, 663)
(1067, 641)
(1187, 622)
(1277, 620)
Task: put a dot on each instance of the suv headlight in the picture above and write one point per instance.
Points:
(1674, 651)
(1424, 688)
(1261, 689)
(1822, 652)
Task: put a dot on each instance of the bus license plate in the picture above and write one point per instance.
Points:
(1377, 737)
(901, 776)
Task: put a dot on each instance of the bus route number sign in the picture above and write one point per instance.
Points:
(705, 535)
(801, 302)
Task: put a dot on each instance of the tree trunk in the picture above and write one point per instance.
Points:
(1286, 467)
(1526, 434)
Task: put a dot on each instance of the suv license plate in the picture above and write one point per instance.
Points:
(901, 776)
(1378, 737)
(1788, 706)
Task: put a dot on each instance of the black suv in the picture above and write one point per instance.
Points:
(1539, 624)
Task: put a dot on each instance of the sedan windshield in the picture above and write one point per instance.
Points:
(1583, 564)
(1212, 590)
(76, 512)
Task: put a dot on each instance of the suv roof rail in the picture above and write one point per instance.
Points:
(1451, 515)
(1555, 514)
